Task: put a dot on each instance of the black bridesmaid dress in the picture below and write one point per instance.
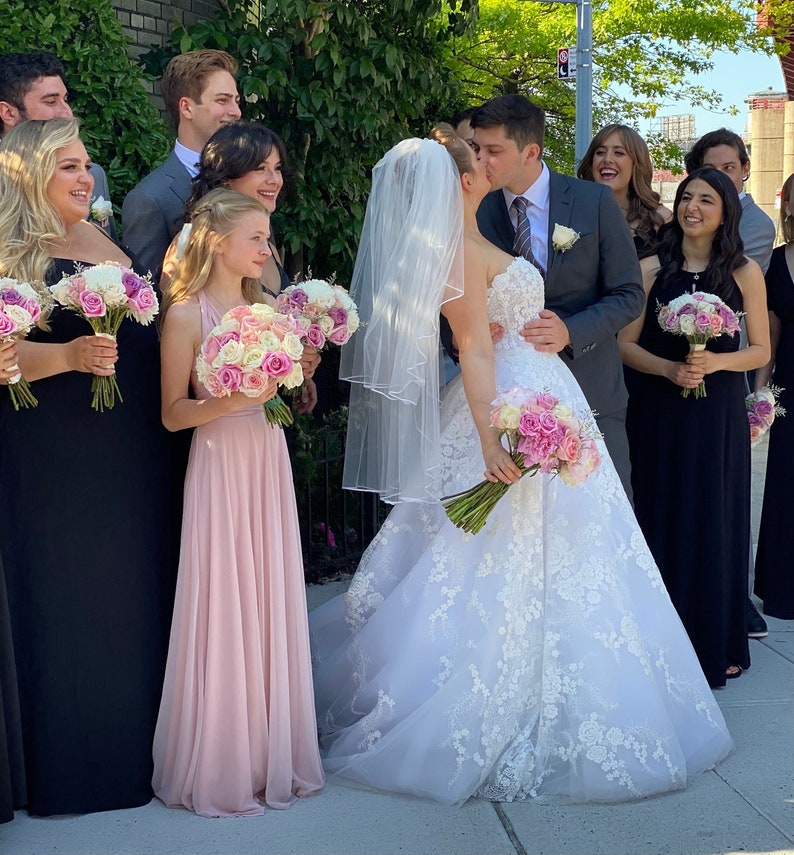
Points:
(84, 518)
(774, 575)
(690, 467)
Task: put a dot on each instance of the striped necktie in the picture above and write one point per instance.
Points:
(522, 242)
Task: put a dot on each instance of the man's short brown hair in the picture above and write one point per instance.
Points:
(185, 77)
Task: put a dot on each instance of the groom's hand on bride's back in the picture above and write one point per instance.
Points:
(547, 333)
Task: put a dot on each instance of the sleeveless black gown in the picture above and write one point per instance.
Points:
(84, 531)
(774, 577)
(690, 466)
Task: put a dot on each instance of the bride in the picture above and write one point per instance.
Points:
(541, 656)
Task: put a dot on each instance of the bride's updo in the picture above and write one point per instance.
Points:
(459, 150)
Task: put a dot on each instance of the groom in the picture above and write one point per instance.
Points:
(592, 277)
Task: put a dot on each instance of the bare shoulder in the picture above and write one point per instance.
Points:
(749, 275)
(183, 318)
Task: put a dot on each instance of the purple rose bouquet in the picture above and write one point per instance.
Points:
(326, 311)
(543, 435)
(105, 295)
(21, 306)
(762, 408)
(250, 344)
(699, 317)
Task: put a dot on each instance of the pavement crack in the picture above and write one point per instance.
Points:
(508, 827)
(755, 807)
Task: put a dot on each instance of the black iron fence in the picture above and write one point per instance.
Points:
(336, 525)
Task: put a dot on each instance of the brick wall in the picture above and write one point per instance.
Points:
(150, 22)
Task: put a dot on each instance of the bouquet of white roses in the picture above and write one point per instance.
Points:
(20, 309)
(250, 344)
(543, 435)
(104, 295)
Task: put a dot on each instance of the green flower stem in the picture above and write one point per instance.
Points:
(470, 509)
(21, 394)
(277, 412)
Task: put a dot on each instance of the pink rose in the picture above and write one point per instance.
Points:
(569, 447)
(239, 313)
(230, 377)
(33, 309)
(315, 336)
(92, 304)
(529, 424)
(213, 386)
(548, 423)
(277, 364)
(339, 336)
(547, 400)
(144, 301)
(229, 336)
(7, 326)
(716, 324)
(282, 326)
(703, 322)
(253, 381)
(211, 348)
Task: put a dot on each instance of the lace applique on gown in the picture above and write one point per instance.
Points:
(540, 657)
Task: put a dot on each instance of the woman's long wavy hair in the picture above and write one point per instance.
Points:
(727, 249)
(29, 222)
(231, 152)
(215, 217)
(642, 214)
(786, 220)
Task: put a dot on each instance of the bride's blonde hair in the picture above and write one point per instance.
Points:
(29, 222)
(214, 218)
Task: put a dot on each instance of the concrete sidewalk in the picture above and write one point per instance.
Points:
(746, 805)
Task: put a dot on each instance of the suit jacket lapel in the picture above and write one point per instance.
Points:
(560, 210)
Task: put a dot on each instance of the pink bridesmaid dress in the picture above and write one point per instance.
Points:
(236, 730)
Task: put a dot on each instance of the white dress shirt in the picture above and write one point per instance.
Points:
(188, 158)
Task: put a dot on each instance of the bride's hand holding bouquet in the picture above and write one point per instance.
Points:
(543, 435)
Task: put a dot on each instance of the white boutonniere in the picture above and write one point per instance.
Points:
(101, 211)
(563, 238)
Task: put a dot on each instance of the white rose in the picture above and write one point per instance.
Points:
(510, 417)
(101, 210)
(687, 324)
(227, 324)
(21, 317)
(269, 340)
(292, 346)
(326, 324)
(563, 238)
(294, 378)
(231, 353)
(563, 411)
(253, 355)
(262, 311)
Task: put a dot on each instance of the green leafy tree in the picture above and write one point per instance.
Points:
(340, 82)
(121, 128)
(646, 53)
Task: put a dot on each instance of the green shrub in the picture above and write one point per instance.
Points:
(121, 128)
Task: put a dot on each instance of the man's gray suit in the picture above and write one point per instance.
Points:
(757, 232)
(596, 289)
(154, 211)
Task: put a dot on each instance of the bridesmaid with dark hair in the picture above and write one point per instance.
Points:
(690, 456)
(774, 578)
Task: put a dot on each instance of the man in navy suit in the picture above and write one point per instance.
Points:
(200, 94)
(592, 277)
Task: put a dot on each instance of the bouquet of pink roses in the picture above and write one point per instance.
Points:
(326, 310)
(20, 308)
(250, 344)
(543, 435)
(698, 316)
(105, 295)
(762, 407)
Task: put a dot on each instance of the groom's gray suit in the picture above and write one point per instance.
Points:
(596, 289)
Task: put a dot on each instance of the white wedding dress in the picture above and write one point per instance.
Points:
(540, 657)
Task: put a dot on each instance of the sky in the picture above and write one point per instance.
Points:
(735, 77)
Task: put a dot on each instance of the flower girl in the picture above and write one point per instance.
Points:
(236, 730)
